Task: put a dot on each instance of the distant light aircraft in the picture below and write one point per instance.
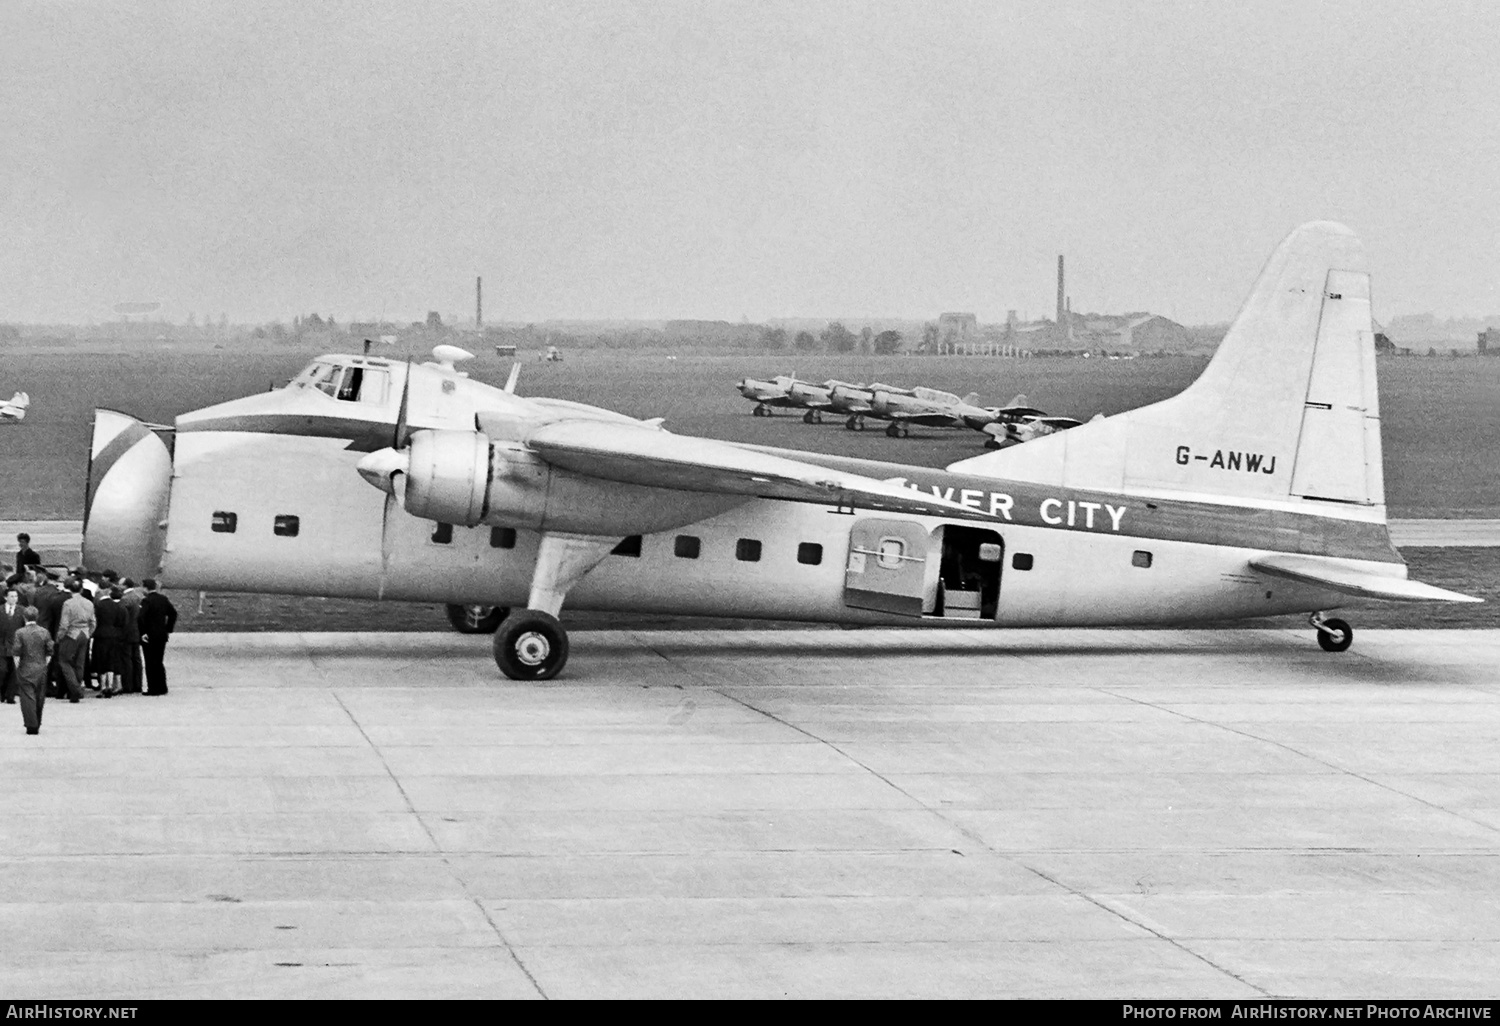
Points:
(1028, 428)
(786, 392)
(858, 401)
(1256, 491)
(930, 407)
(14, 409)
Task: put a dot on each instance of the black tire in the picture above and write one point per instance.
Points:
(807, 417)
(1335, 635)
(849, 424)
(893, 431)
(531, 645)
(990, 443)
(476, 619)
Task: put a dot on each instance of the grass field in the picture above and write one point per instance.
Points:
(1441, 417)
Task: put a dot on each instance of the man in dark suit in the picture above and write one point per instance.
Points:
(134, 675)
(157, 620)
(48, 600)
(25, 555)
(11, 620)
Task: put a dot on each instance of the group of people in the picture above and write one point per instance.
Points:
(83, 633)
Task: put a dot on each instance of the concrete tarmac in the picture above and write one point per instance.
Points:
(758, 814)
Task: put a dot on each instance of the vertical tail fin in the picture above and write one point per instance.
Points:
(1286, 409)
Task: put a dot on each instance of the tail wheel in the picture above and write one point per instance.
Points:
(1334, 635)
(476, 619)
(531, 645)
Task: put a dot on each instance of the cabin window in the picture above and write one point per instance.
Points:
(686, 546)
(287, 526)
(1021, 561)
(628, 547)
(442, 534)
(502, 537)
(810, 553)
(224, 523)
(747, 550)
(1140, 558)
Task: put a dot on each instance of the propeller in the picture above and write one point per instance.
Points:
(398, 439)
(386, 470)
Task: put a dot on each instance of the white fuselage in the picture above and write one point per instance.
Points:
(1088, 571)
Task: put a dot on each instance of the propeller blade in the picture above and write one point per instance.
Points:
(398, 439)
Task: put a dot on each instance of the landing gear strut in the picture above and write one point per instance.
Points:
(1334, 635)
(531, 644)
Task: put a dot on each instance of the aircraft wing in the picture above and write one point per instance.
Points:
(1351, 581)
(660, 459)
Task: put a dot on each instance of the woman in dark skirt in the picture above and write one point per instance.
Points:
(109, 653)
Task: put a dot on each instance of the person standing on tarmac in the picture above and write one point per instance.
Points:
(157, 620)
(132, 604)
(11, 620)
(74, 629)
(30, 653)
(25, 555)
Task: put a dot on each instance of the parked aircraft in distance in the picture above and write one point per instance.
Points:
(1025, 429)
(14, 409)
(930, 407)
(787, 392)
(857, 401)
(1015, 410)
(1255, 491)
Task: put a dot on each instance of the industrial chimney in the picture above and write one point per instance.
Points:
(1062, 312)
(478, 302)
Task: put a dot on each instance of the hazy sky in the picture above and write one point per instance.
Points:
(728, 160)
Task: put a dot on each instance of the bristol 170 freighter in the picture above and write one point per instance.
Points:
(1257, 490)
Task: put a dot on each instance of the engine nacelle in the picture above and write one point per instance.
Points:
(461, 477)
(447, 476)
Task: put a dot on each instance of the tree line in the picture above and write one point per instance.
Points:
(833, 339)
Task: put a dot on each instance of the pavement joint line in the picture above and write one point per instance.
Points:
(1011, 857)
(1284, 746)
(447, 861)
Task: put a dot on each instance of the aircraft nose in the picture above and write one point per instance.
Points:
(129, 481)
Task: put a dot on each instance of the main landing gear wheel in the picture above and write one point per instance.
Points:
(761, 411)
(476, 619)
(812, 417)
(531, 645)
(1334, 635)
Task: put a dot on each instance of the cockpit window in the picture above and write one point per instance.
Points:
(354, 383)
(325, 378)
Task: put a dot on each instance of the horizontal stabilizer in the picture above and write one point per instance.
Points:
(1354, 582)
(660, 459)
